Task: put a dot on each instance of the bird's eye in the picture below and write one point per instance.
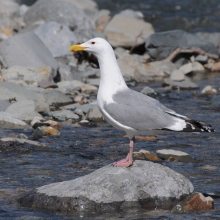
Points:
(93, 42)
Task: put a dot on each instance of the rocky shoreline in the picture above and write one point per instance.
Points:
(43, 85)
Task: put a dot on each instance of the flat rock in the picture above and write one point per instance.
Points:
(57, 37)
(186, 84)
(33, 53)
(179, 155)
(144, 184)
(23, 141)
(161, 45)
(29, 75)
(210, 37)
(7, 121)
(23, 110)
(65, 115)
(10, 90)
(177, 75)
(94, 114)
(124, 31)
(85, 108)
(55, 96)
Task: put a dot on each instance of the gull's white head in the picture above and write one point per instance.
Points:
(96, 46)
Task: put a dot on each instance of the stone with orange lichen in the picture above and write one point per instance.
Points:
(140, 138)
(199, 202)
(172, 159)
(149, 156)
(54, 124)
(7, 31)
(50, 130)
(139, 155)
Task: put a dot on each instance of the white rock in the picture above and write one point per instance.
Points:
(186, 68)
(209, 89)
(177, 75)
(197, 67)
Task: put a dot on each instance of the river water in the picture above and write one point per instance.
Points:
(189, 15)
(79, 151)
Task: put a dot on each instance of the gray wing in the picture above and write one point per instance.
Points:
(138, 111)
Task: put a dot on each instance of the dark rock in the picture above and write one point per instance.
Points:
(145, 184)
(57, 37)
(161, 45)
(179, 155)
(178, 209)
(39, 133)
(33, 53)
(40, 124)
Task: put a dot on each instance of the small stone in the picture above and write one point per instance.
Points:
(201, 59)
(209, 90)
(149, 156)
(197, 67)
(64, 115)
(54, 124)
(139, 155)
(181, 156)
(178, 209)
(36, 119)
(79, 112)
(94, 114)
(80, 99)
(177, 75)
(22, 136)
(213, 66)
(50, 130)
(84, 122)
(39, 133)
(200, 203)
(172, 159)
(150, 92)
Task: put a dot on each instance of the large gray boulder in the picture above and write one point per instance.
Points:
(61, 11)
(26, 50)
(10, 91)
(127, 31)
(144, 184)
(161, 45)
(57, 37)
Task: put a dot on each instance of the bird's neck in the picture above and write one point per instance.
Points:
(111, 77)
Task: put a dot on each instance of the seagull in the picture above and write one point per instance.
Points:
(128, 110)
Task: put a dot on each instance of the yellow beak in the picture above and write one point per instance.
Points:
(76, 47)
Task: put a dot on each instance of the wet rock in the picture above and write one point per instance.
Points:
(64, 115)
(172, 159)
(30, 76)
(4, 104)
(22, 136)
(210, 37)
(54, 124)
(150, 92)
(209, 90)
(209, 168)
(186, 84)
(57, 37)
(50, 130)
(39, 133)
(197, 67)
(133, 14)
(177, 75)
(124, 31)
(63, 12)
(178, 209)
(144, 184)
(84, 123)
(23, 141)
(161, 45)
(40, 124)
(179, 155)
(199, 203)
(94, 114)
(23, 110)
(7, 121)
(36, 119)
(34, 53)
(55, 96)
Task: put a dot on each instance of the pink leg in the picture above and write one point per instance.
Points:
(128, 161)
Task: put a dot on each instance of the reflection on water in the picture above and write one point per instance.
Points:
(79, 151)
